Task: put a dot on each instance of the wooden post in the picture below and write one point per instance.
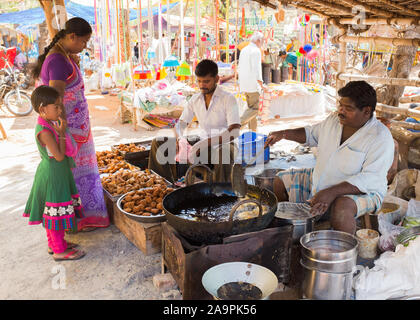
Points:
(379, 21)
(376, 40)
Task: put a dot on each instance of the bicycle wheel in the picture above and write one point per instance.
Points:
(18, 103)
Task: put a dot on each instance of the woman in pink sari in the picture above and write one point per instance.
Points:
(58, 68)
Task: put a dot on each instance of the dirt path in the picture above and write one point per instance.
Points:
(113, 268)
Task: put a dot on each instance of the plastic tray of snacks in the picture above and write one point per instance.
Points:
(138, 211)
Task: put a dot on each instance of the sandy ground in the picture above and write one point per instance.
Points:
(113, 268)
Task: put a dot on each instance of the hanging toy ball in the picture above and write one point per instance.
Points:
(313, 55)
(307, 48)
(302, 51)
(307, 18)
(298, 54)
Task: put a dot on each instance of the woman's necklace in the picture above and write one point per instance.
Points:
(62, 49)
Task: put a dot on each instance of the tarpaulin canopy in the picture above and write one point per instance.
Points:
(36, 16)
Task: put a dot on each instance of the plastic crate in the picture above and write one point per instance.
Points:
(250, 143)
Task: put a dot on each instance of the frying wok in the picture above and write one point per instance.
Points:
(213, 232)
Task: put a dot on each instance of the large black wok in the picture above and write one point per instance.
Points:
(214, 232)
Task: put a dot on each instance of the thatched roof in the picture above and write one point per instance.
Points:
(343, 8)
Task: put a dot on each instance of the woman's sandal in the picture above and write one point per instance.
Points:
(69, 246)
(72, 255)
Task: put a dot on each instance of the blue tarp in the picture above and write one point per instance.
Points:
(36, 15)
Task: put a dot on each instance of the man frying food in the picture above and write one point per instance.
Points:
(355, 151)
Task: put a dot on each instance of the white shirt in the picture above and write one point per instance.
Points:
(223, 112)
(363, 160)
(249, 68)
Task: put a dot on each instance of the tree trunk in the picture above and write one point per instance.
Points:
(401, 67)
(43, 37)
(55, 17)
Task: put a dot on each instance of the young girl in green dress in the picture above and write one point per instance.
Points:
(54, 200)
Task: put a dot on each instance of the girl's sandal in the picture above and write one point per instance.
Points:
(69, 246)
(72, 255)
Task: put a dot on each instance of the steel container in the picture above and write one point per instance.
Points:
(302, 222)
(329, 261)
(265, 179)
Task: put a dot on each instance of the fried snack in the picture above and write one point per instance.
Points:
(123, 181)
(105, 158)
(130, 148)
(148, 201)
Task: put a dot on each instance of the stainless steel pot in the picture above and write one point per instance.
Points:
(329, 261)
(296, 214)
(265, 179)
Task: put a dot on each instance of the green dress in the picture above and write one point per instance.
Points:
(54, 200)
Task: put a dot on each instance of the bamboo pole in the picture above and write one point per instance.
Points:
(396, 110)
(368, 8)
(380, 80)
(236, 45)
(406, 125)
(376, 40)
(181, 30)
(378, 21)
(227, 31)
(217, 30)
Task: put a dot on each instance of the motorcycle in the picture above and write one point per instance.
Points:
(17, 101)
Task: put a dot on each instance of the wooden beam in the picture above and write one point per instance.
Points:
(412, 99)
(400, 7)
(380, 80)
(376, 40)
(406, 125)
(381, 21)
(368, 8)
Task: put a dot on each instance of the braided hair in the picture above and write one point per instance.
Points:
(80, 27)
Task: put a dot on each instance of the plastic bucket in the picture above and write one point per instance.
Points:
(250, 143)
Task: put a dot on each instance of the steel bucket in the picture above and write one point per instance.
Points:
(329, 261)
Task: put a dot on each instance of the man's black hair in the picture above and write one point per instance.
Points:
(206, 67)
(361, 93)
(282, 52)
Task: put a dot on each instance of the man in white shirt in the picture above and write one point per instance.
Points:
(250, 79)
(217, 113)
(355, 151)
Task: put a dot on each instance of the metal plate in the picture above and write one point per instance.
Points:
(139, 218)
(139, 155)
